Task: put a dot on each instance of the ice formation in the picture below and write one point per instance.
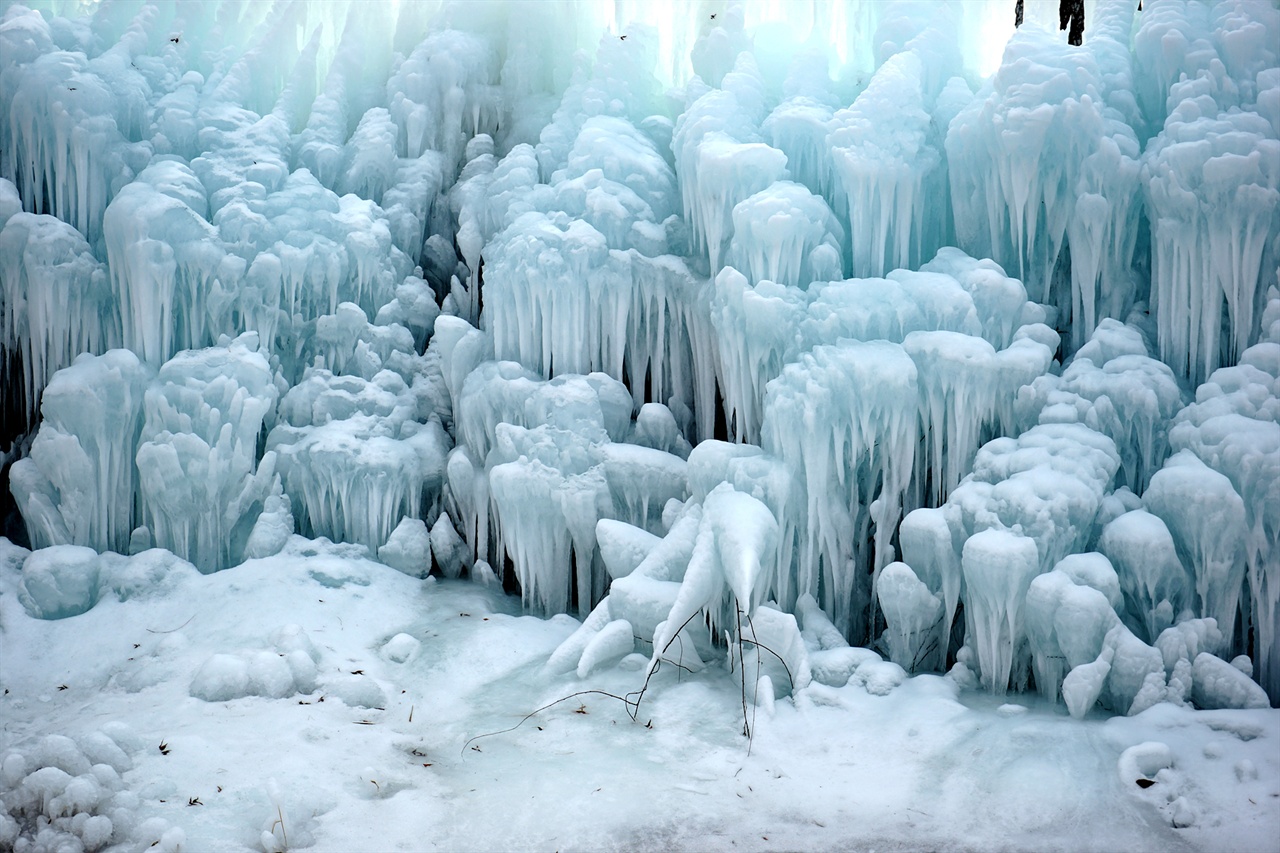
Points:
(725, 344)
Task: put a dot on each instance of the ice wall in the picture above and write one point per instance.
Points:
(962, 319)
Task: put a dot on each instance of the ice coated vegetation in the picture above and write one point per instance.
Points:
(775, 382)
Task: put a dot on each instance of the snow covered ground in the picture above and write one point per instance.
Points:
(382, 751)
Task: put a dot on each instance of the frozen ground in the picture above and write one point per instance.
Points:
(927, 766)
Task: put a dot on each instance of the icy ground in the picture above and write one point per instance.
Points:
(924, 767)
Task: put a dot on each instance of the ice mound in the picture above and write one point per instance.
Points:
(72, 788)
(354, 459)
(60, 581)
(201, 484)
(77, 485)
(408, 548)
(66, 580)
(73, 147)
(1114, 386)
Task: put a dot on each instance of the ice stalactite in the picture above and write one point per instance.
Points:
(765, 477)
(582, 281)
(354, 82)
(200, 482)
(888, 170)
(307, 251)
(1039, 158)
(536, 319)
(1206, 517)
(406, 188)
(844, 418)
(959, 310)
(546, 523)
(619, 85)
(166, 262)
(1213, 200)
(785, 234)
(720, 160)
(958, 390)
(798, 127)
(549, 463)
(54, 300)
(353, 457)
(1168, 44)
(1233, 428)
(72, 136)
(444, 93)
(756, 329)
(262, 72)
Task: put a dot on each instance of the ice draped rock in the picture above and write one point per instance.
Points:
(913, 615)
(547, 460)
(1206, 518)
(998, 568)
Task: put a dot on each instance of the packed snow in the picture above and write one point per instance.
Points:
(599, 425)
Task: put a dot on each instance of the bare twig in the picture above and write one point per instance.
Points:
(171, 630)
